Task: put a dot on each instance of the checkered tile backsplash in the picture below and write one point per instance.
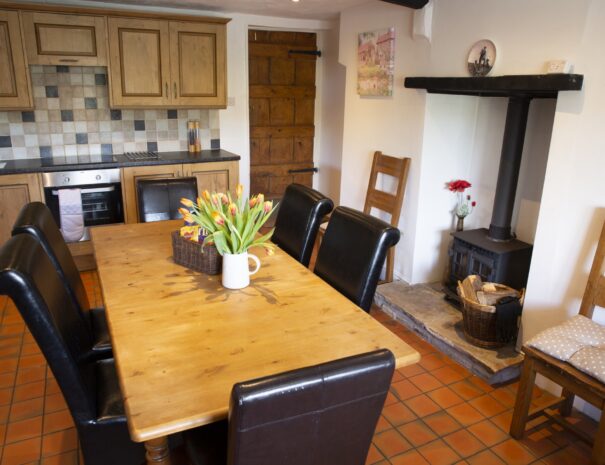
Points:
(72, 117)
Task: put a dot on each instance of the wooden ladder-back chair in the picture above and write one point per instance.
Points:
(573, 380)
(389, 203)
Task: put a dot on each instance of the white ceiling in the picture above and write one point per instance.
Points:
(308, 9)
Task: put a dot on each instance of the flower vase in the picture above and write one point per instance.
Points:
(460, 223)
(236, 274)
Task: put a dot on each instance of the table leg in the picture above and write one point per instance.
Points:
(157, 451)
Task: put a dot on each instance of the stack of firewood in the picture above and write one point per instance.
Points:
(488, 294)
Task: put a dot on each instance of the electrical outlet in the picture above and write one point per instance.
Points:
(558, 66)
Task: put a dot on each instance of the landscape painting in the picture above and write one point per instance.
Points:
(376, 62)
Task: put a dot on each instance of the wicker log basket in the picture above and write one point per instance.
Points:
(479, 319)
(190, 255)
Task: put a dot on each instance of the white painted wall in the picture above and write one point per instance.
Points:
(393, 125)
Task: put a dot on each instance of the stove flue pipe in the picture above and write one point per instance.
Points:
(510, 163)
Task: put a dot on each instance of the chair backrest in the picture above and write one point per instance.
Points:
(29, 278)
(385, 201)
(324, 414)
(159, 199)
(298, 218)
(594, 295)
(37, 220)
(353, 252)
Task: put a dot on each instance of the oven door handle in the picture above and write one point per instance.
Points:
(91, 191)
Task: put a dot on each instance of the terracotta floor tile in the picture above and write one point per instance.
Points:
(6, 396)
(30, 375)
(29, 391)
(68, 458)
(7, 379)
(11, 351)
(30, 349)
(504, 396)
(426, 382)
(422, 405)
(59, 442)
(487, 405)
(382, 425)
(465, 414)
(513, 453)
(4, 411)
(57, 421)
(30, 361)
(3, 427)
(412, 457)
(442, 423)
(54, 402)
(9, 365)
(23, 429)
(445, 397)
(405, 389)
(539, 444)
(398, 414)
(464, 443)
(488, 433)
(438, 453)
(503, 420)
(391, 443)
(466, 389)
(374, 455)
(447, 375)
(417, 433)
(411, 370)
(391, 399)
(487, 457)
(431, 362)
(26, 409)
(481, 384)
(21, 452)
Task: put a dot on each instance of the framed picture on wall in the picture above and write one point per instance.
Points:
(376, 62)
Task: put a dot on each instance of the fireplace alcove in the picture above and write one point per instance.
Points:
(495, 254)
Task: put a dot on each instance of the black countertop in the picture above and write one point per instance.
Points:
(90, 162)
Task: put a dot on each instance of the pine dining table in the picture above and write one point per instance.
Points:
(181, 340)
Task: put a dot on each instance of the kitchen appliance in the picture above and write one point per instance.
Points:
(101, 193)
(142, 156)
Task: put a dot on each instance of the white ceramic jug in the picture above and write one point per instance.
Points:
(236, 274)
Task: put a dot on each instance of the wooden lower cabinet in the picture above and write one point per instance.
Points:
(16, 190)
(214, 176)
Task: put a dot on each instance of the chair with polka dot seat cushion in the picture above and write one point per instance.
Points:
(572, 355)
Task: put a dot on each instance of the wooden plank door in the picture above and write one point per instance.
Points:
(282, 107)
(139, 55)
(14, 79)
(198, 64)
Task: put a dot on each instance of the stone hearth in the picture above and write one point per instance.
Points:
(423, 309)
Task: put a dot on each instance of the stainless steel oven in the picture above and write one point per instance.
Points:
(100, 190)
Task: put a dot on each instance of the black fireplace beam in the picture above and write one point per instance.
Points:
(415, 4)
(510, 164)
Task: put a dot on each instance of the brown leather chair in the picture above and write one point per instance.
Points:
(160, 199)
(353, 252)
(320, 415)
(90, 388)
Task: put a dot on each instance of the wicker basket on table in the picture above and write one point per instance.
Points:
(190, 254)
(479, 320)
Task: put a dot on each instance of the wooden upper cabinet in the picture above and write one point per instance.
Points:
(14, 78)
(197, 63)
(139, 62)
(65, 39)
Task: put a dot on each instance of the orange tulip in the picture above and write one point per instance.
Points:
(260, 198)
(186, 202)
(184, 212)
(267, 206)
(206, 196)
(233, 209)
(252, 202)
(218, 219)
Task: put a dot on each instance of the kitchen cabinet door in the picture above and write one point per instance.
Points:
(65, 39)
(139, 62)
(198, 64)
(214, 177)
(15, 91)
(16, 190)
(130, 177)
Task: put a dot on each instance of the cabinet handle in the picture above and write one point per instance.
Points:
(167, 90)
(68, 60)
(175, 94)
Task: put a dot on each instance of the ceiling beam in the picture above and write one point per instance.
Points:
(415, 4)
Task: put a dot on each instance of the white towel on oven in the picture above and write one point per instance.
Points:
(72, 217)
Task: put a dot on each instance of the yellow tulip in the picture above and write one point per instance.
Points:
(206, 196)
(218, 219)
(260, 198)
(239, 190)
(200, 202)
(184, 212)
(233, 209)
(186, 202)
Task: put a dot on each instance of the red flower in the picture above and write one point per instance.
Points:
(459, 185)
(473, 204)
